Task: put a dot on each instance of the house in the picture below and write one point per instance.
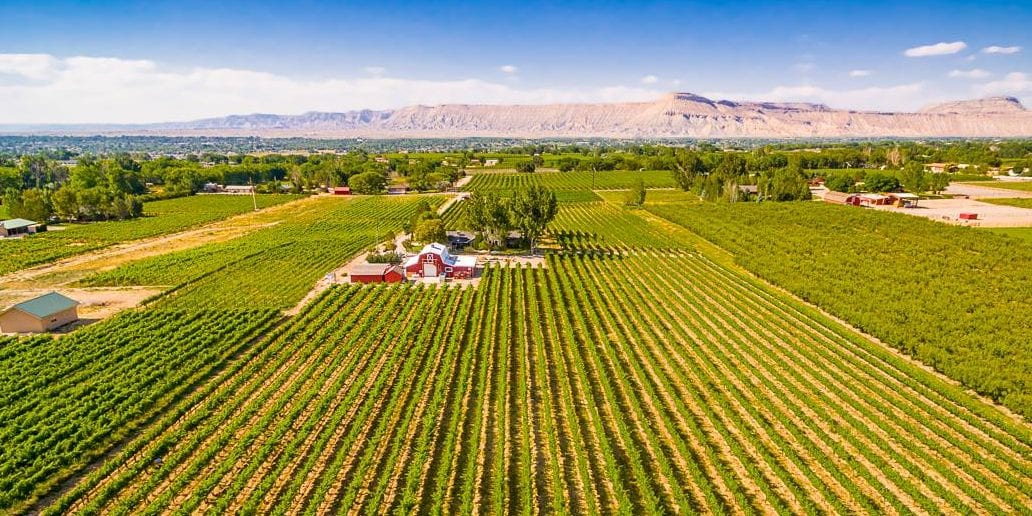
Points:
(841, 198)
(937, 167)
(38, 315)
(460, 239)
(381, 159)
(435, 261)
(490, 162)
(15, 227)
(340, 190)
(238, 189)
(377, 273)
(397, 190)
(211, 188)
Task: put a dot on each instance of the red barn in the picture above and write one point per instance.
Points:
(435, 261)
(377, 273)
(340, 190)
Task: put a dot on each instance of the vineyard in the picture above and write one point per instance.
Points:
(600, 225)
(551, 390)
(160, 217)
(956, 298)
(63, 402)
(270, 268)
(569, 186)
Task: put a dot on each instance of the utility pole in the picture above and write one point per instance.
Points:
(254, 198)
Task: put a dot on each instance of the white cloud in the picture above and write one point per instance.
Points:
(30, 66)
(994, 49)
(976, 73)
(375, 70)
(859, 73)
(47, 89)
(510, 69)
(899, 97)
(649, 79)
(1014, 83)
(938, 49)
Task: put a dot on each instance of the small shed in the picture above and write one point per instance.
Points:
(15, 227)
(39, 315)
(377, 273)
(340, 190)
(398, 190)
(904, 199)
(873, 199)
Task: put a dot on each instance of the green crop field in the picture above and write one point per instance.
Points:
(552, 390)
(273, 267)
(567, 181)
(644, 366)
(954, 297)
(65, 401)
(160, 217)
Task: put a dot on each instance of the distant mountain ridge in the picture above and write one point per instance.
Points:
(684, 115)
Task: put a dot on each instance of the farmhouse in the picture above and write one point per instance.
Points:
(340, 190)
(15, 227)
(490, 162)
(38, 315)
(937, 167)
(397, 190)
(377, 273)
(435, 261)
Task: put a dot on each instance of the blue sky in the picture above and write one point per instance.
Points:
(103, 61)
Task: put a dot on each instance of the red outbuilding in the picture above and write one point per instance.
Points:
(340, 190)
(377, 273)
(435, 261)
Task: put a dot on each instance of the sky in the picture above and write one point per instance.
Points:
(135, 62)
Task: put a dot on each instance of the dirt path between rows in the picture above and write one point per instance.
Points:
(70, 270)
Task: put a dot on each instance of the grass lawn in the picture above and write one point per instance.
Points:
(1021, 186)
(1018, 203)
(1024, 234)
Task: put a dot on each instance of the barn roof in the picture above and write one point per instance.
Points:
(17, 223)
(370, 269)
(45, 305)
(833, 196)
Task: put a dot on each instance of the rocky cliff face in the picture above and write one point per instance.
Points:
(675, 115)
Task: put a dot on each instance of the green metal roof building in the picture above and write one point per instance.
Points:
(40, 314)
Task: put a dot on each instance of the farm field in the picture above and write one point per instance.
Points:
(956, 298)
(581, 182)
(725, 397)
(273, 267)
(64, 402)
(160, 217)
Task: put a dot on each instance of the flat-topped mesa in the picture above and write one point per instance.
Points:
(986, 105)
